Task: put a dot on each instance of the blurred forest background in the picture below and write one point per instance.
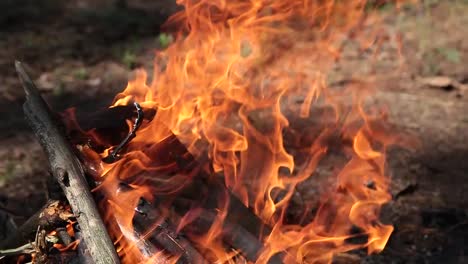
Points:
(82, 52)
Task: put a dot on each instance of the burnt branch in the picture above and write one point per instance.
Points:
(164, 234)
(114, 154)
(68, 171)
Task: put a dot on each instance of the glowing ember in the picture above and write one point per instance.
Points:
(242, 87)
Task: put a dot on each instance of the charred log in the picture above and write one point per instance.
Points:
(68, 171)
(164, 234)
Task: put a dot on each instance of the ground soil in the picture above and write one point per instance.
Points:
(80, 57)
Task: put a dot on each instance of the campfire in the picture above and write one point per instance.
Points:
(217, 156)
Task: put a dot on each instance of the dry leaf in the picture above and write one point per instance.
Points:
(443, 82)
(437, 81)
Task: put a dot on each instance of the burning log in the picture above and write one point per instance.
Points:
(235, 235)
(163, 234)
(68, 171)
(167, 237)
(241, 228)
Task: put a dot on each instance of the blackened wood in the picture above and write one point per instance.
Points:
(242, 228)
(108, 125)
(68, 171)
(165, 235)
(156, 231)
(113, 118)
(113, 156)
(207, 187)
(233, 234)
(141, 241)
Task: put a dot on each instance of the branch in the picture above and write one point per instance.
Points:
(68, 171)
(114, 154)
(24, 249)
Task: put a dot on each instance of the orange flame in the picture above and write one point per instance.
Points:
(244, 85)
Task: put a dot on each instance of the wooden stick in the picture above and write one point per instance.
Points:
(67, 169)
(24, 249)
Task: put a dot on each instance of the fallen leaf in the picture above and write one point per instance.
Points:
(437, 81)
(443, 82)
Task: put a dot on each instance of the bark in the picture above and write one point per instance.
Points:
(66, 168)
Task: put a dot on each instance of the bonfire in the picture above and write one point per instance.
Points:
(206, 158)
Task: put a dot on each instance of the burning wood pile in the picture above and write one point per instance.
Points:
(203, 164)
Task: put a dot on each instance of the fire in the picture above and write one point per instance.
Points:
(244, 88)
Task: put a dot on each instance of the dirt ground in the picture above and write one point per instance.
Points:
(82, 53)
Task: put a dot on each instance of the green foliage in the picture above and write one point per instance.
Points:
(129, 58)
(164, 40)
(81, 74)
(450, 54)
(127, 52)
(433, 57)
